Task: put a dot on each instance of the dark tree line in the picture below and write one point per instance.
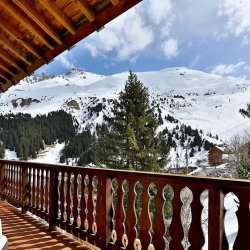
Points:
(245, 112)
(79, 146)
(187, 136)
(27, 135)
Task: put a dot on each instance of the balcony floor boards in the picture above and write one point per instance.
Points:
(27, 233)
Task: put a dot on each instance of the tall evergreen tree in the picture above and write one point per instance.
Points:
(132, 141)
(2, 150)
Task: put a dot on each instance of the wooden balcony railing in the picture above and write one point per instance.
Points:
(129, 210)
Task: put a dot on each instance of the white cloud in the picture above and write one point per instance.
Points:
(65, 60)
(225, 70)
(159, 10)
(170, 48)
(124, 37)
(237, 14)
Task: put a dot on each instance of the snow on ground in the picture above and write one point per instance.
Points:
(10, 155)
(50, 155)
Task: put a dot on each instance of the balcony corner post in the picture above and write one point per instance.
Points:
(215, 218)
(53, 198)
(25, 190)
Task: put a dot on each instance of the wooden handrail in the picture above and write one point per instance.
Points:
(117, 209)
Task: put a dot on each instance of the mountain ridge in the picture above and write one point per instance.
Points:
(202, 100)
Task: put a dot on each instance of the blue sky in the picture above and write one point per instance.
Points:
(212, 36)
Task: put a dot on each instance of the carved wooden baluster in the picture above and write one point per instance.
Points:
(158, 224)
(5, 178)
(11, 180)
(90, 204)
(38, 188)
(243, 215)
(176, 230)
(83, 204)
(196, 236)
(95, 183)
(68, 201)
(75, 201)
(7, 181)
(145, 223)
(130, 215)
(42, 190)
(62, 197)
(30, 186)
(45, 206)
(19, 183)
(59, 195)
(34, 187)
(14, 181)
(119, 215)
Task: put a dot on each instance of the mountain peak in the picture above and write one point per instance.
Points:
(75, 71)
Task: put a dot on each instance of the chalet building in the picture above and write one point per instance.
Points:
(217, 155)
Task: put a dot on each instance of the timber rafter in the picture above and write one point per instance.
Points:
(34, 32)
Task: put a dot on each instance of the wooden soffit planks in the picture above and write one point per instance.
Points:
(34, 32)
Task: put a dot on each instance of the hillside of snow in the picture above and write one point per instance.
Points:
(202, 100)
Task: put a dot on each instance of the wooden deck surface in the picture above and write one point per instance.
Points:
(27, 233)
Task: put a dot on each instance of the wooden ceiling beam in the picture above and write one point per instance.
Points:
(6, 70)
(29, 9)
(59, 15)
(84, 8)
(5, 56)
(14, 50)
(20, 17)
(12, 31)
(114, 2)
(6, 78)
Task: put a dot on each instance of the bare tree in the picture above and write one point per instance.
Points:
(234, 151)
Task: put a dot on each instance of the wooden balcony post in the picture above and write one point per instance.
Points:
(215, 218)
(2, 184)
(53, 198)
(25, 189)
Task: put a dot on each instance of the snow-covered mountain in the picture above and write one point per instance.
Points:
(204, 101)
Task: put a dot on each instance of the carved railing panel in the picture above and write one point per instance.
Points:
(131, 210)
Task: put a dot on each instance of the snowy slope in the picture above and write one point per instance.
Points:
(202, 100)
